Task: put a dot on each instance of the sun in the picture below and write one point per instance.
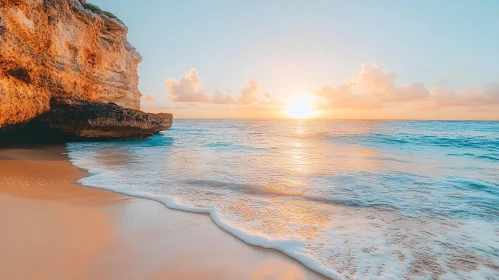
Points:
(300, 108)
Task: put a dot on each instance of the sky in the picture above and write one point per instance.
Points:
(385, 59)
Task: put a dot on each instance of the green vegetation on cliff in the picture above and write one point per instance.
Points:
(97, 10)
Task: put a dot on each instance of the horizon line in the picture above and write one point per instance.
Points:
(338, 119)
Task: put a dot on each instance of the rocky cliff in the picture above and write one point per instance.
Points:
(62, 50)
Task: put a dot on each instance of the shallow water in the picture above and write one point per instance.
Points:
(350, 199)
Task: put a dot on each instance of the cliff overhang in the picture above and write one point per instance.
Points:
(86, 121)
(63, 55)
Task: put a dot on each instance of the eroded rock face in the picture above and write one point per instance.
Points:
(104, 120)
(61, 49)
(87, 121)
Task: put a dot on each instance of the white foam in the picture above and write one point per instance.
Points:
(287, 200)
(292, 247)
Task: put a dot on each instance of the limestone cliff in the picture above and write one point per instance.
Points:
(64, 49)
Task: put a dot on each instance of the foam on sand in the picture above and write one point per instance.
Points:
(362, 202)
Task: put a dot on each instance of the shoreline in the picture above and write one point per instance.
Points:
(99, 234)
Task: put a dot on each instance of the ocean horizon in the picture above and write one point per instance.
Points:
(350, 199)
(334, 119)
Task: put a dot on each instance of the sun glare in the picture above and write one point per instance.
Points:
(300, 108)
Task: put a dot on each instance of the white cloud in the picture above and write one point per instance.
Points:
(187, 89)
(374, 81)
(474, 95)
(249, 95)
(219, 98)
(344, 96)
(372, 88)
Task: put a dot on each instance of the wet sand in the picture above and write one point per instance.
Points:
(53, 228)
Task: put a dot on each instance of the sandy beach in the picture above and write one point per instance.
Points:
(53, 228)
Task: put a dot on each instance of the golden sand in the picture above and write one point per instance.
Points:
(53, 228)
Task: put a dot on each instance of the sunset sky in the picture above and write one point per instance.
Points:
(349, 59)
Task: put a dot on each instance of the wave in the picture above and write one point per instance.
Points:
(421, 141)
(492, 157)
(350, 200)
(290, 247)
(266, 191)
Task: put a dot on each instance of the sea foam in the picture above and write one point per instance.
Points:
(337, 196)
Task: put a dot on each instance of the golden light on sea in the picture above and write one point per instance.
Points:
(300, 108)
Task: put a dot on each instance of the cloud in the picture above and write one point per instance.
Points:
(474, 95)
(412, 92)
(219, 98)
(344, 96)
(374, 81)
(372, 88)
(375, 88)
(249, 95)
(187, 89)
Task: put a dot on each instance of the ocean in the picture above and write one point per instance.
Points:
(350, 199)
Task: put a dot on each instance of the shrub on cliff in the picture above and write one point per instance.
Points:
(92, 8)
(110, 15)
(97, 10)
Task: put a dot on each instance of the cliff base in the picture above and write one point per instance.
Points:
(86, 121)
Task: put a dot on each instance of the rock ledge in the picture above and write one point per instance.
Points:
(87, 121)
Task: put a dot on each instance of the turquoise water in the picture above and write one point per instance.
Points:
(349, 199)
